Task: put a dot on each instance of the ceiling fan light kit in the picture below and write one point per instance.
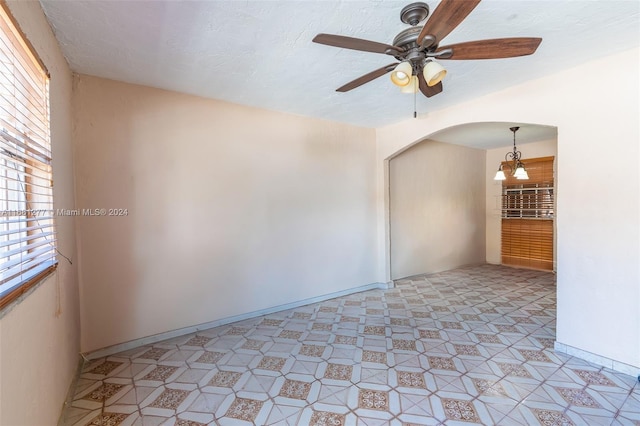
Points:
(412, 87)
(433, 73)
(416, 47)
(401, 75)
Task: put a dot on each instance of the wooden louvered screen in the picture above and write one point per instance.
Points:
(528, 209)
(528, 243)
(540, 171)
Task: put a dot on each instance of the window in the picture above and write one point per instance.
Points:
(27, 235)
(528, 209)
(531, 201)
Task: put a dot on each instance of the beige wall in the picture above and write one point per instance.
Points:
(598, 246)
(494, 191)
(437, 208)
(40, 335)
(231, 209)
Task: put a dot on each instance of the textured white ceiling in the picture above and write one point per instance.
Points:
(259, 53)
(494, 134)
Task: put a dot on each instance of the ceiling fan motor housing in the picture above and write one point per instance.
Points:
(411, 51)
(406, 37)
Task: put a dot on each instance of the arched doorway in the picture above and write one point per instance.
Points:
(444, 206)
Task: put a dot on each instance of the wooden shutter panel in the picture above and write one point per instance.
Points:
(528, 209)
(528, 243)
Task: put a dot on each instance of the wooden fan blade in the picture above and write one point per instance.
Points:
(366, 78)
(493, 49)
(427, 90)
(447, 16)
(354, 43)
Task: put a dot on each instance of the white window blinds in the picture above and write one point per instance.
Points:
(27, 235)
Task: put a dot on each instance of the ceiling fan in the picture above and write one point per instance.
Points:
(418, 46)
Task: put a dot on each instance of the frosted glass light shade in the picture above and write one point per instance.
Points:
(401, 75)
(500, 175)
(521, 173)
(524, 175)
(433, 73)
(412, 87)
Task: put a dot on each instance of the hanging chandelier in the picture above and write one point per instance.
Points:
(512, 160)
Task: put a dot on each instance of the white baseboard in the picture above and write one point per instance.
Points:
(614, 365)
(132, 344)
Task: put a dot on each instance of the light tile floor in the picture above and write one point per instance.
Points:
(468, 346)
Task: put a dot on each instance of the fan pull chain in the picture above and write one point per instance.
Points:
(415, 114)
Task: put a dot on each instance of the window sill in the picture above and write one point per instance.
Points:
(16, 295)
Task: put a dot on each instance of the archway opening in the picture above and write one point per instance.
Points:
(444, 208)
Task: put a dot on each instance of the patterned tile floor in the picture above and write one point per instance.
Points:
(467, 346)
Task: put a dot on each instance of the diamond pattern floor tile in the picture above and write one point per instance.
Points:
(472, 345)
